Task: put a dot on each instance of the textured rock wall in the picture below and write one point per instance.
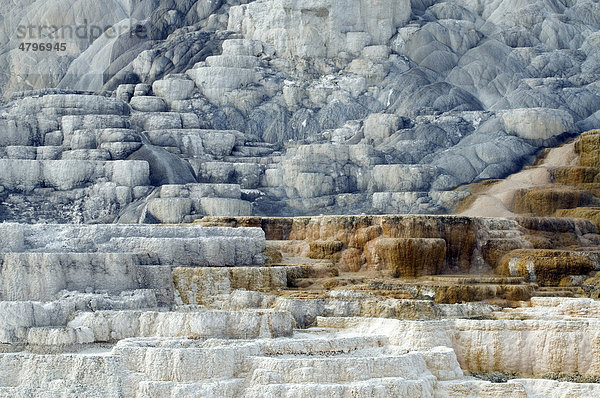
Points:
(319, 29)
(546, 267)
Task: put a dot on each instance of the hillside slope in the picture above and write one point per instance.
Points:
(304, 108)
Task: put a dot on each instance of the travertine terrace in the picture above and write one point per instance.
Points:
(299, 198)
(295, 307)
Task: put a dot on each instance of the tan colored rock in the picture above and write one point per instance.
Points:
(198, 285)
(575, 175)
(406, 256)
(364, 235)
(458, 232)
(588, 148)
(494, 249)
(273, 256)
(589, 213)
(319, 270)
(324, 248)
(352, 259)
(546, 267)
(472, 244)
(544, 201)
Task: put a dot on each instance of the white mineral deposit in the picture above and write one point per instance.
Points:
(299, 198)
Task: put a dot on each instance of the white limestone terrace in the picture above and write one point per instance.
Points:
(84, 158)
(248, 354)
(40, 260)
(123, 311)
(81, 238)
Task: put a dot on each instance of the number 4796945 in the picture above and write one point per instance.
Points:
(27, 46)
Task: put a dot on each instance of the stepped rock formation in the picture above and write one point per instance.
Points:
(118, 310)
(208, 198)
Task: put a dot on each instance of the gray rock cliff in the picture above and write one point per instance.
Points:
(381, 107)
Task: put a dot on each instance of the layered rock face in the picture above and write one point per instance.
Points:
(422, 245)
(81, 158)
(324, 108)
(216, 118)
(156, 311)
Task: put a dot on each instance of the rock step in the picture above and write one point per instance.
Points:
(196, 142)
(80, 237)
(545, 200)
(196, 285)
(92, 121)
(193, 361)
(247, 175)
(86, 154)
(547, 267)
(16, 317)
(110, 326)
(481, 388)
(261, 144)
(246, 47)
(59, 336)
(337, 368)
(73, 104)
(213, 251)
(322, 303)
(507, 334)
(175, 210)
(26, 392)
(143, 103)
(225, 206)
(320, 344)
(233, 61)
(266, 161)
(220, 388)
(448, 292)
(41, 276)
(479, 279)
(31, 152)
(372, 388)
(187, 364)
(504, 234)
(169, 137)
(26, 175)
(146, 121)
(197, 191)
(86, 374)
(574, 175)
(559, 292)
(590, 306)
(224, 78)
(119, 142)
(251, 151)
